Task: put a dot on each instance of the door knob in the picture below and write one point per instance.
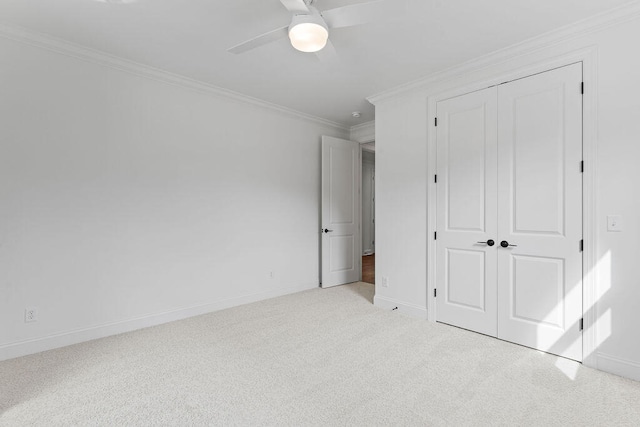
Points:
(326, 230)
(506, 244)
(489, 242)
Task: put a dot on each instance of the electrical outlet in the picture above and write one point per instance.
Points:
(385, 282)
(271, 275)
(30, 314)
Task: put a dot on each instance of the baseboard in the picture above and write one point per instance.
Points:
(617, 366)
(403, 307)
(63, 339)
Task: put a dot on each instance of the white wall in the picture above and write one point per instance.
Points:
(404, 160)
(126, 201)
(401, 205)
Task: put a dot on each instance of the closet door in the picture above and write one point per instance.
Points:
(540, 211)
(466, 213)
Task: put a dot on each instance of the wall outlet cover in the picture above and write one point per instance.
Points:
(30, 314)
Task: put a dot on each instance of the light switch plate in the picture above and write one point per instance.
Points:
(614, 223)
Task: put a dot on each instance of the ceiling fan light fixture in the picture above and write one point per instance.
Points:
(308, 33)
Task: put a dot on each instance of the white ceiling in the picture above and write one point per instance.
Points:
(191, 38)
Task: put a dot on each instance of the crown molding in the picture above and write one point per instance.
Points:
(364, 132)
(64, 47)
(610, 18)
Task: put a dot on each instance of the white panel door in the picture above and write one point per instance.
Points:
(466, 215)
(540, 211)
(340, 212)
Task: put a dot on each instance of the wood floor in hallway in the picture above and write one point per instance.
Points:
(369, 268)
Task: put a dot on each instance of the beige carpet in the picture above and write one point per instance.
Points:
(320, 357)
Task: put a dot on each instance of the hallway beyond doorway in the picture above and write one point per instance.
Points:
(369, 268)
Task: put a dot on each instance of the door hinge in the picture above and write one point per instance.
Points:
(582, 88)
(435, 179)
(581, 323)
(435, 235)
(435, 293)
(582, 166)
(436, 121)
(581, 245)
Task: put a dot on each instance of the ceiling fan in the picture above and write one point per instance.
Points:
(309, 28)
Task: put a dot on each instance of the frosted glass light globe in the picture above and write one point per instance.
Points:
(308, 33)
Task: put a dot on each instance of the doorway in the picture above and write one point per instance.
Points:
(368, 212)
(340, 232)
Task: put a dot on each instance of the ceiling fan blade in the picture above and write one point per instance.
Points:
(263, 39)
(296, 6)
(328, 55)
(362, 13)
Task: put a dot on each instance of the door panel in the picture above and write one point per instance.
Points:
(538, 158)
(466, 278)
(466, 152)
(466, 197)
(342, 186)
(538, 279)
(341, 250)
(540, 211)
(340, 212)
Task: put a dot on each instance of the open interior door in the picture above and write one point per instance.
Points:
(341, 253)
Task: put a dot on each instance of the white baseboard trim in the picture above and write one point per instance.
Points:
(63, 339)
(617, 366)
(403, 307)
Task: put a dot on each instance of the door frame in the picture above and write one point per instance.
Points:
(362, 150)
(367, 139)
(588, 57)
